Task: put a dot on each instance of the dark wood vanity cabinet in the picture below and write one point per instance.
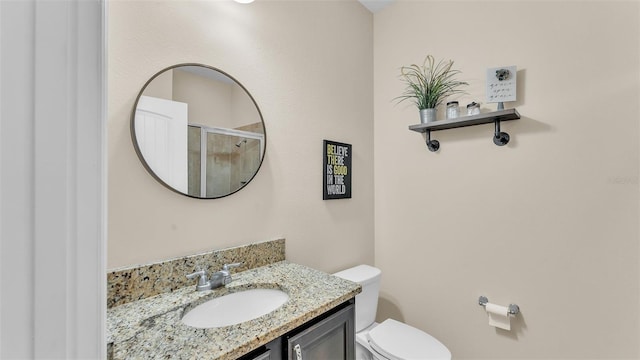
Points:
(329, 336)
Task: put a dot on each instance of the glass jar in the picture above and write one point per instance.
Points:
(453, 110)
(473, 108)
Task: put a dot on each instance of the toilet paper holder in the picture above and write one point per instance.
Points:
(513, 308)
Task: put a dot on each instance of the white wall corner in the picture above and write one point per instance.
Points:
(375, 5)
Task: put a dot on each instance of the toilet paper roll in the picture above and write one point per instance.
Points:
(498, 316)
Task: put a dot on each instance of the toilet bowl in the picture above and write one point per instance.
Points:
(390, 339)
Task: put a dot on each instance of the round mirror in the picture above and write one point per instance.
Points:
(198, 131)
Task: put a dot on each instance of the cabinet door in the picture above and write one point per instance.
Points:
(330, 338)
(270, 351)
(264, 356)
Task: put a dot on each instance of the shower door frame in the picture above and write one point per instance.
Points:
(204, 130)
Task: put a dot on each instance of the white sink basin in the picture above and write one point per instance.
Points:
(235, 308)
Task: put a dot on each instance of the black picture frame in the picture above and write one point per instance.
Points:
(336, 170)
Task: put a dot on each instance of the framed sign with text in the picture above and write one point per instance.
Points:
(336, 170)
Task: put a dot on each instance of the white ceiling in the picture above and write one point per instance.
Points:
(375, 5)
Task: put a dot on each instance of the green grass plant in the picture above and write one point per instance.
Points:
(427, 85)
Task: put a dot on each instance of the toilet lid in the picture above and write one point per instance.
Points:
(399, 341)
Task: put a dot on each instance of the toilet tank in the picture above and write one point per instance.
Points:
(367, 301)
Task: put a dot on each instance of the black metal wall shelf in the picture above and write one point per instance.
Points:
(499, 138)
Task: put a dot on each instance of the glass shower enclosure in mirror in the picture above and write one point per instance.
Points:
(198, 131)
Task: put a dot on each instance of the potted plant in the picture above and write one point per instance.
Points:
(428, 85)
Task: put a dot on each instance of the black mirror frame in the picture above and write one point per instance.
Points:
(139, 152)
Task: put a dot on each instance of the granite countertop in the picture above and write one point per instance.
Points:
(151, 328)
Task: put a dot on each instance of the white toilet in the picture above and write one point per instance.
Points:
(391, 339)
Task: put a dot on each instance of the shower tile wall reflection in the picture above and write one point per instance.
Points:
(193, 161)
(249, 162)
(230, 161)
(219, 164)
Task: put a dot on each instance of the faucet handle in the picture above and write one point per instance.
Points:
(226, 267)
(203, 283)
(226, 275)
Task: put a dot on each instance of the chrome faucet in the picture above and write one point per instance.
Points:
(218, 279)
(223, 277)
(203, 283)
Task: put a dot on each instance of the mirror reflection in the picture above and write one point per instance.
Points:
(198, 131)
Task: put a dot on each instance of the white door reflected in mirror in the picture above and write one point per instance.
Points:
(161, 133)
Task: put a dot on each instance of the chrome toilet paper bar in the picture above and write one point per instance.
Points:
(513, 308)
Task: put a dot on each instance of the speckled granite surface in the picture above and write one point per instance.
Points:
(136, 283)
(151, 328)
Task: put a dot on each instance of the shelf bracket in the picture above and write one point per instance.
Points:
(500, 138)
(432, 145)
